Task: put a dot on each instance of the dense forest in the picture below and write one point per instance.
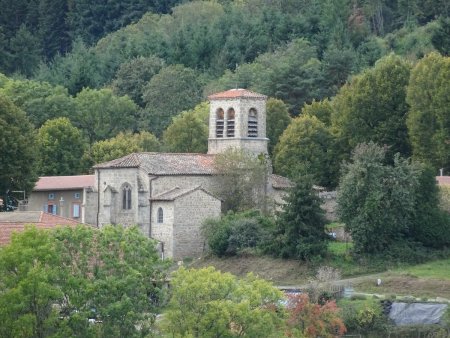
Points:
(94, 80)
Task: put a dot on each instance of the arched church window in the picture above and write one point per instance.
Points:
(219, 122)
(230, 122)
(252, 123)
(160, 216)
(126, 197)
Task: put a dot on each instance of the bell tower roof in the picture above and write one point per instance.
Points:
(236, 94)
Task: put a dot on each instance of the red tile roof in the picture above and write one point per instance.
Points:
(236, 93)
(64, 182)
(15, 222)
(443, 180)
(165, 163)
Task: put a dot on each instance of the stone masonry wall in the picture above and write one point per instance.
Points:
(241, 107)
(164, 183)
(112, 211)
(190, 212)
(163, 231)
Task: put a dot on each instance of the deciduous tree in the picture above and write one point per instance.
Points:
(171, 91)
(372, 107)
(188, 132)
(428, 120)
(60, 147)
(376, 201)
(241, 180)
(18, 149)
(208, 303)
(133, 75)
(40, 100)
(277, 120)
(306, 146)
(120, 145)
(101, 114)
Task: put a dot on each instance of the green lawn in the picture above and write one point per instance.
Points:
(339, 248)
(439, 269)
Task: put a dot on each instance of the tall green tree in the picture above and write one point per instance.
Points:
(120, 145)
(306, 146)
(25, 49)
(18, 149)
(428, 120)
(300, 227)
(372, 107)
(133, 75)
(277, 120)
(171, 91)
(188, 132)
(54, 283)
(77, 70)
(28, 285)
(53, 27)
(60, 147)
(40, 100)
(241, 180)
(376, 200)
(320, 109)
(101, 114)
(208, 303)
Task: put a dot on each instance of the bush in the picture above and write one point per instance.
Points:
(236, 232)
(363, 316)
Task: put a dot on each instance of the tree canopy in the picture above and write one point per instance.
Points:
(306, 146)
(60, 148)
(300, 227)
(372, 107)
(428, 121)
(18, 149)
(209, 303)
(188, 132)
(71, 277)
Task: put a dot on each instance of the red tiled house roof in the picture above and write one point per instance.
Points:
(64, 182)
(15, 222)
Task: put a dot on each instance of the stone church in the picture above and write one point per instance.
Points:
(169, 195)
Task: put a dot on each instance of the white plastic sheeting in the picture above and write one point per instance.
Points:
(417, 313)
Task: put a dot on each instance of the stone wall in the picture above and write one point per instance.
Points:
(241, 107)
(163, 183)
(90, 204)
(163, 232)
(191, 211)
(111, 210)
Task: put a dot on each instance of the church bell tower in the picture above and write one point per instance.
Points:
(237, 119)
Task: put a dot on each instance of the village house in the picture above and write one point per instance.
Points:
(62, 195)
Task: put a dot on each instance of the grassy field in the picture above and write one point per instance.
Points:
(425, 280)
(439, 269)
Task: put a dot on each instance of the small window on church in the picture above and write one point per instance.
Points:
(219, 122)
(126, 197)
(160, 215)
(230, 122)
(252, 123)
